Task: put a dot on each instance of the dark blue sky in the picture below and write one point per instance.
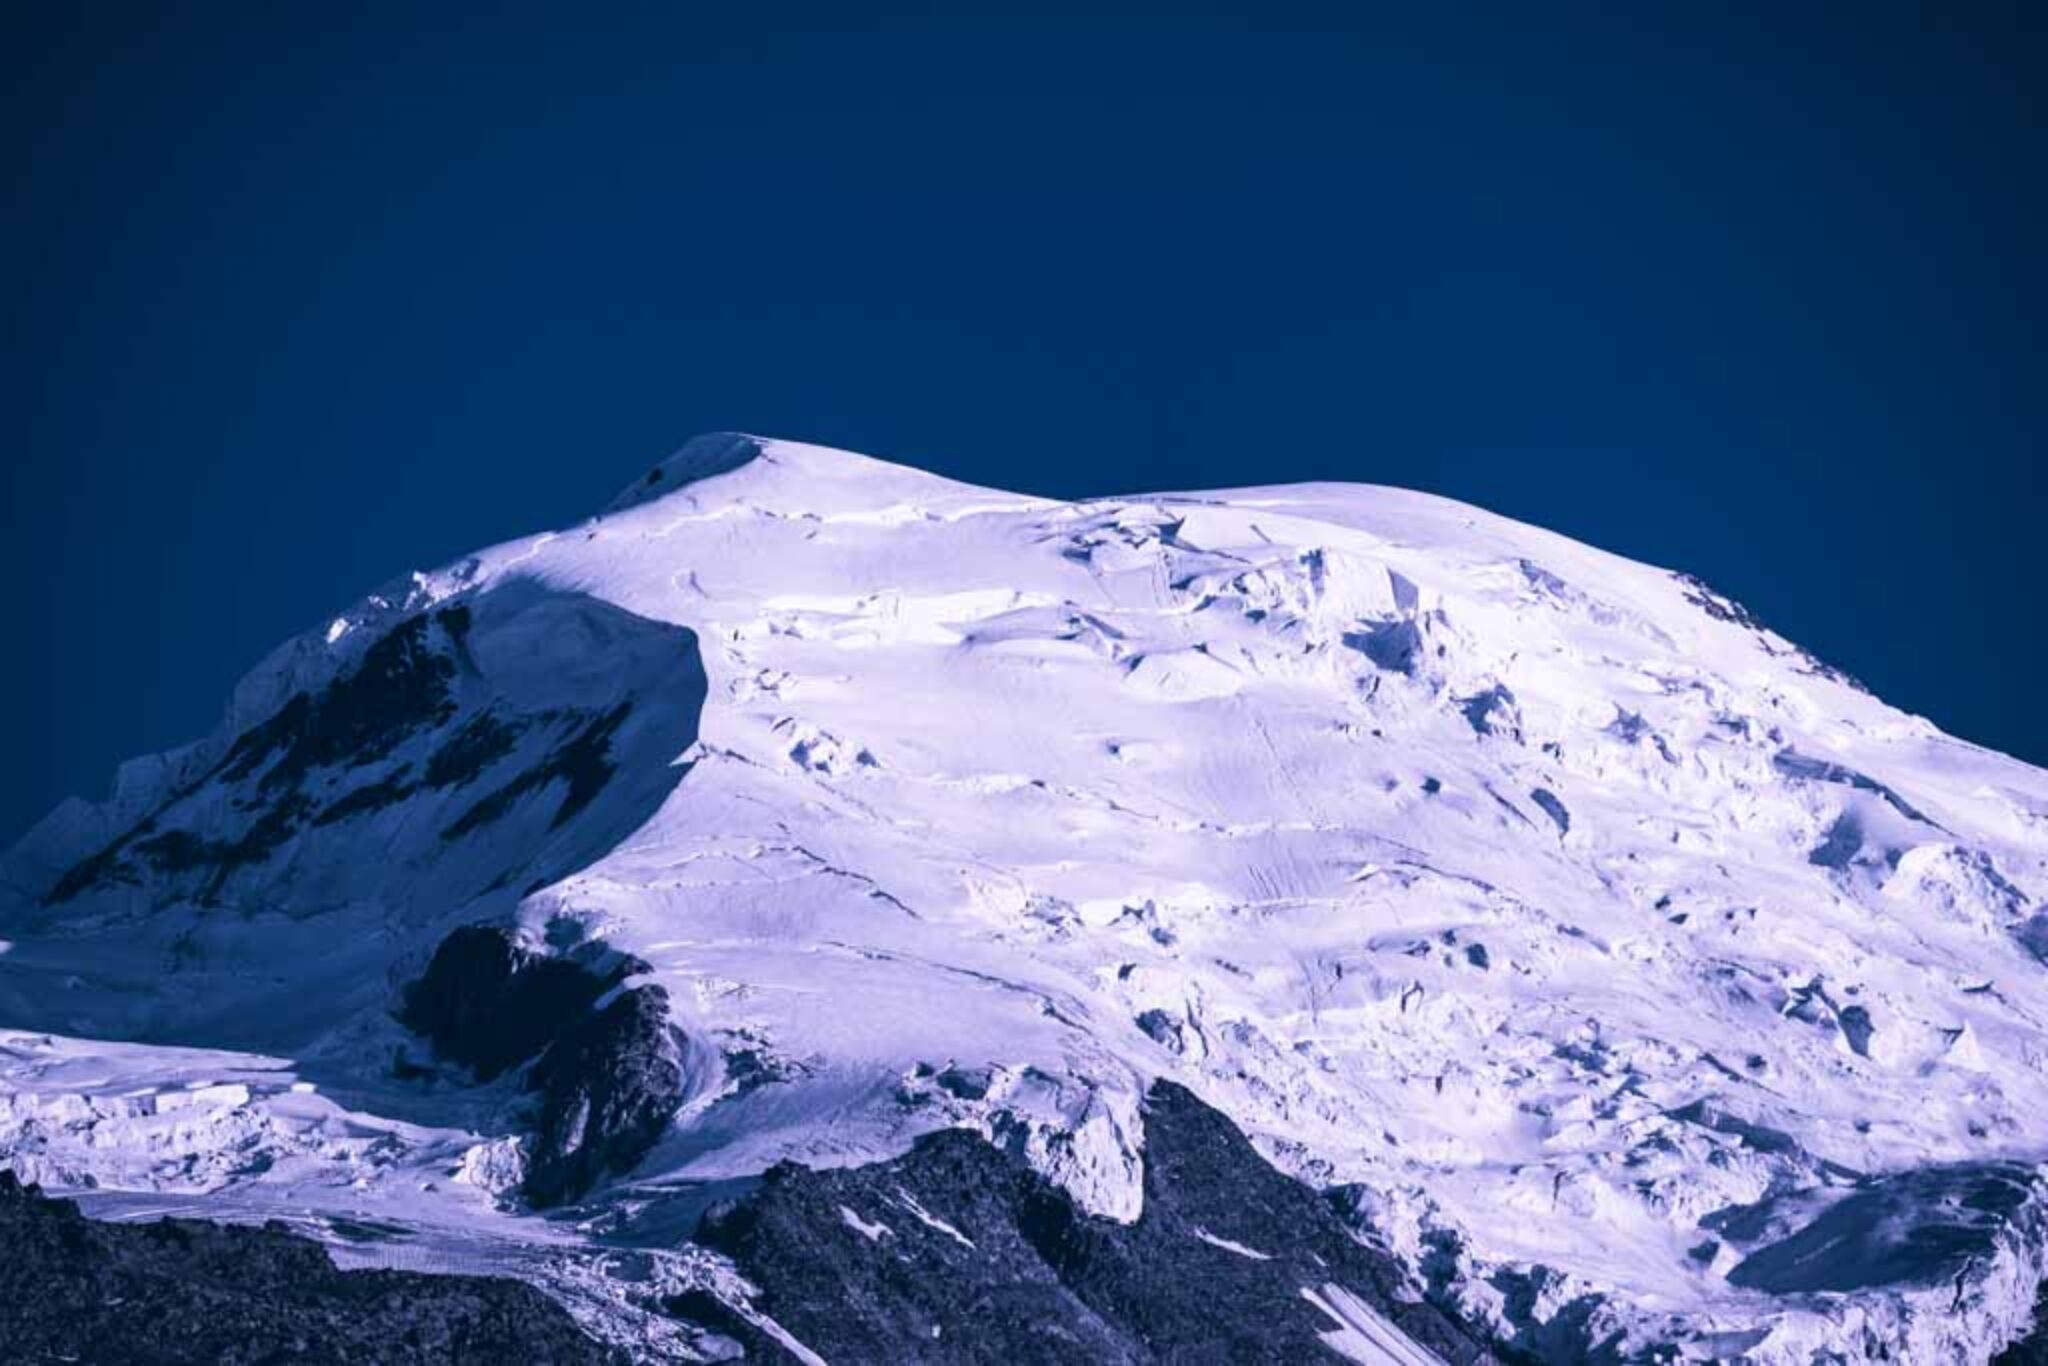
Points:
(301, 298)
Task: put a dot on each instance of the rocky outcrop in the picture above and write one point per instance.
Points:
(400, 688)
(445, 731)
(606, 1061)
(959, 1252)
(491, 1003)
(609, 1086)
(2031, 1350)
(1943, 1225)
(182, 1290)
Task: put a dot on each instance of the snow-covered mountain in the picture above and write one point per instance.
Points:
(1635, 986)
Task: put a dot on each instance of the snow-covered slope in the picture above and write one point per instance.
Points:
(1606, 943)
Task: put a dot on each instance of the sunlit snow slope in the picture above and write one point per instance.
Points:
(1608, 942)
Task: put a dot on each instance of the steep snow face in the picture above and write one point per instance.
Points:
(1602, 938)
(250, 891)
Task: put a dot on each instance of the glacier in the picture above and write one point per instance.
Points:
(1639, 985)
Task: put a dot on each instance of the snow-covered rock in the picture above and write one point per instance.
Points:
(1604, 941)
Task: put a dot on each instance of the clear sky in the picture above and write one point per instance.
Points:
(301, 297)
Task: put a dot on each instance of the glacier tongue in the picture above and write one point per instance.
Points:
(1605, 942)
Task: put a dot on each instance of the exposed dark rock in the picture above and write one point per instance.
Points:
(609, 1079)
(962, 1083)
(184, 1290)
(2031, 1349)
(1716, 605)
(1721, 607)
(97, 870)
(706, 1310)
(470, 751)
(414, 718)
(748, 1069)
(386, 791)
(1163, 1029)
(701, 458)
(456, 619)
(492, 1004)
(583, 764)
(609, 1086)
(399, 686)
(1564, 1333)
(179, 851)
(176, 851)
(959, 1252)
(1921, 1227)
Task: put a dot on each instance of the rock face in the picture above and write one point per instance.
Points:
(184, 1290)
(415, 723)
(412, 764)
(488, 1001)
(609, 1085)
(609, 1078)
(1932, 1226)
(959, 1252)
(2031, 1350)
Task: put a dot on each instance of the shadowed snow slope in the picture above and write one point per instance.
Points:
(1610, 956)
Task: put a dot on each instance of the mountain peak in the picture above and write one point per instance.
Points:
(701, 457)
(1545, 904)
(788, 477)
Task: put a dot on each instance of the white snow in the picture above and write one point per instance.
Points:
(983, 777)
(1239, 1248)
(930, 1220)
(1363, 1334)
(201, 1094)
(873, 1232)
